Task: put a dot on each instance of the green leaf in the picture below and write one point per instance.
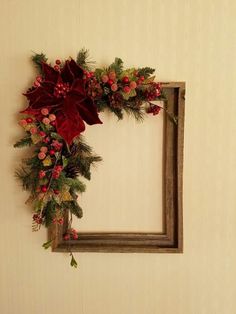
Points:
(73, 262)
(117, 66)
(46, 245)
(56, 136)
(64, 161)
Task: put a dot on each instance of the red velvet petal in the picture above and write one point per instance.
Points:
(69, 125)
(67, 74)
(88, 111)
(76, 69)
(78, 87)
(50, 74)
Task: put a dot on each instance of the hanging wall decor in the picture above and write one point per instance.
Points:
(65, 99)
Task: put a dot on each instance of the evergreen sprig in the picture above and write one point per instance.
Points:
(26, 141)
(37, 59)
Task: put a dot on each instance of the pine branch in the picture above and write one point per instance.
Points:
(74, 208)
(26, 141)
(146, 72)
(38, 59)
(28, 179)
(136, 112)
(82, 59)
(49, 212)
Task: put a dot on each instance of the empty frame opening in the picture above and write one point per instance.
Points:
(125, 191)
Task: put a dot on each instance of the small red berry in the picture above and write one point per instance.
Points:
(44, 189)
(142, 78)
(52, 152)
(75, 236)
(53, 123)
(67, 236)
(42, 134)
(29, 120)
(56, 191)
(60, 221)
(56, 67)
(110, 82)
(58, 62)
(125, 79)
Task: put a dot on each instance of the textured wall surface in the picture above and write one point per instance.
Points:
(189, 40)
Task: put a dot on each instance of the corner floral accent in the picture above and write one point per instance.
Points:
(63, 99)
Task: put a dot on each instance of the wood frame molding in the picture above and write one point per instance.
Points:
(170, 240)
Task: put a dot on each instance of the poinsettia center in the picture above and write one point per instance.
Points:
(61, 89)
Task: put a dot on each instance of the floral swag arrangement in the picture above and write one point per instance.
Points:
(63, 97)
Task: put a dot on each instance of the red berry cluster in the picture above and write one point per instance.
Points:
(61, 89)
(71, 234)
(154, 109)
(57, 171)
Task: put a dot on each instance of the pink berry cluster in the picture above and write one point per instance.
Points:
(57, 171)
(71, 234)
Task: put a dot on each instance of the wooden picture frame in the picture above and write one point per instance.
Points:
(170, 239)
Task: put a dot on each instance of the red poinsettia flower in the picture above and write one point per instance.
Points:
(63, 93)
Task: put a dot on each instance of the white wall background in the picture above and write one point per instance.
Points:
(189, 40)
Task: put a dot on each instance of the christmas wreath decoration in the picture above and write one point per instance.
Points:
(64, 97)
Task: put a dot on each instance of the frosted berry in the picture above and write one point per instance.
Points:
(23, 122)
(52, 117)
(127, 89)
(46, 121)
(44, 111)
(44, 149)
(132, 84)
(105, 78)
(33, 130)
(114, 87)
(41, 155)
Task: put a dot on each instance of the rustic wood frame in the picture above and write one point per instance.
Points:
(170, 240)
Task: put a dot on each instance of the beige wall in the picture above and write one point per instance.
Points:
(190, 40)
